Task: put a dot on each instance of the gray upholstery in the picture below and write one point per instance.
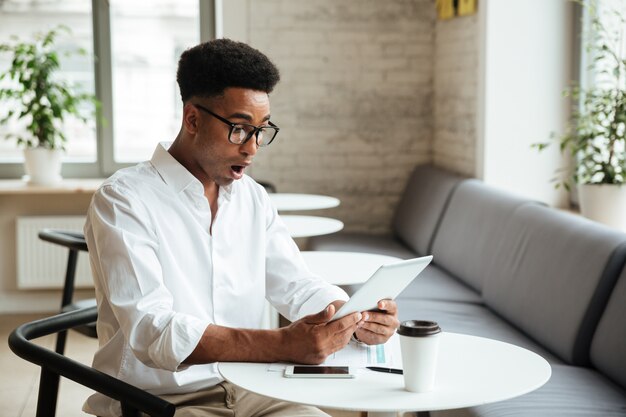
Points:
(414, 223)
(422, 204)
(608, 349)
(436, 284)
(471, 230)
(570, 392)
(471, 319)
(546, 273)
(360, 242)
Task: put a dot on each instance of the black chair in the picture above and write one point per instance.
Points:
(75, 242)
(54, 365)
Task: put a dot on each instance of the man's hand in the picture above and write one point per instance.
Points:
(379, 326)
(311, 339)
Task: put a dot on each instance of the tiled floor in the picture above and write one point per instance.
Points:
(19, 379)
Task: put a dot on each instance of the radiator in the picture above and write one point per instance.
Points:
(42, 264)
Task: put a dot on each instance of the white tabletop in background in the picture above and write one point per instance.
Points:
(307, 226)
(471, 371)
(345, 268)
(295, 202)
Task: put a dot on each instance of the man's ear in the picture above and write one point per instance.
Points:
(190, 118)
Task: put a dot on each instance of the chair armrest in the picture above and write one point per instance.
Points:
(71, 240)
(129, 395)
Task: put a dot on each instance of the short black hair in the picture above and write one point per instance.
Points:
(207, 69)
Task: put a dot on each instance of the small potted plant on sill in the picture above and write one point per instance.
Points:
(596, 134)
(33, 94)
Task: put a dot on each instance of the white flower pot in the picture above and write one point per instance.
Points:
(43, 166)
(604, 203)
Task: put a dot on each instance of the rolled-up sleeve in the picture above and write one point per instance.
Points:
(291, 287)
(123, 248)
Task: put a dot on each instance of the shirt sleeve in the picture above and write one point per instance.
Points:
(291, 287)
(123, 250)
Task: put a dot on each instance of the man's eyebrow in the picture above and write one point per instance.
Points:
(246, 117)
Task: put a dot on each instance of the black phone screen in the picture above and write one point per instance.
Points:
(307, 370)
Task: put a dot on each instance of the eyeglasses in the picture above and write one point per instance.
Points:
(240, 133)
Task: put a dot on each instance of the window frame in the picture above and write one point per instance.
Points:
(210, 27)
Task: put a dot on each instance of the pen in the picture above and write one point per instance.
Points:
(388, 370)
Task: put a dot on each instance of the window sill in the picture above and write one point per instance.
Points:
(66, 186)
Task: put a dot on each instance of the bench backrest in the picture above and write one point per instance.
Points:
(471, 230)
(422, 205)
(552, 276)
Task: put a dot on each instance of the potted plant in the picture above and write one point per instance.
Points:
(596, 134)
(40, 99)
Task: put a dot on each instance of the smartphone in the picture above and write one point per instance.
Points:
(303, 371)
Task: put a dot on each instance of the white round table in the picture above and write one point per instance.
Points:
(296, 202)
(345, 268)
(307, 226)
(471, 371)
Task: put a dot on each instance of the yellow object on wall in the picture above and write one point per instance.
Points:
(466, 7)
(445, 9)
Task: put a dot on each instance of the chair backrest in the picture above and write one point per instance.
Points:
(75, 242)
(53, 365)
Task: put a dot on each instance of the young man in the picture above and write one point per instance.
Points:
(185, 249)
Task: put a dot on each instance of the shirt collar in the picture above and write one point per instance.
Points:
(177, 176)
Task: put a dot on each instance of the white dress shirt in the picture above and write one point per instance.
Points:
(161, 277)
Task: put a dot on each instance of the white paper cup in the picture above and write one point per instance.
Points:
(419, 343)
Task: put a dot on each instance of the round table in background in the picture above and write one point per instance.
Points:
(297, 202)
(307, 226)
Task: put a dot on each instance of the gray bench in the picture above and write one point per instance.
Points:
(514, 270)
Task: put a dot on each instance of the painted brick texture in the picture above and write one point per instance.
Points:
(455, 94)
(354, 103)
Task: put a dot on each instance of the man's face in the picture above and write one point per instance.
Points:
(214, 157)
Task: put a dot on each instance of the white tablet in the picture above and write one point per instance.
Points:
(386, 283)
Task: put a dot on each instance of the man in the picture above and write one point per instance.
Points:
(185, 249)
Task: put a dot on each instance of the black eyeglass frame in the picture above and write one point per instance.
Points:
(255, 129)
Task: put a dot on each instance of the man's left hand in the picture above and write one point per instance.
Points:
(379, 326)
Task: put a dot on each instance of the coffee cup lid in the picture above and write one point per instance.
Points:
(418, 328)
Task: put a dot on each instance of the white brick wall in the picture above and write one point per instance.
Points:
(455, 94)
(355, 101)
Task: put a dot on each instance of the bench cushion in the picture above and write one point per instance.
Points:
(436, 284)
(549, 277)
(474, 319)
(361, 242)
(608, 348)
(471, 230)
(570, 392)
(421, 206)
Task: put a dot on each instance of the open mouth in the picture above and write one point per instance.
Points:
(238, 169)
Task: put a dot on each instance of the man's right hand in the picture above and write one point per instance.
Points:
(311, 339)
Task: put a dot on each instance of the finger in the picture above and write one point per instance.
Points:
(376, 328)
(322, 317)
(348, 323)
(389, 306)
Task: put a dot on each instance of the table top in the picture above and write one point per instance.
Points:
(307, 226)
(345, 268)
(471, 371)
(295, 202)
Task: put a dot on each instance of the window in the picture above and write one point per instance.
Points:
(137, 44)
(23, 18)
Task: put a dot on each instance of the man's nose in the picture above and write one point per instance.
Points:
(250, 147)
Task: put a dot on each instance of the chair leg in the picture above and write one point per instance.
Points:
(60, 345)
(48, 390)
